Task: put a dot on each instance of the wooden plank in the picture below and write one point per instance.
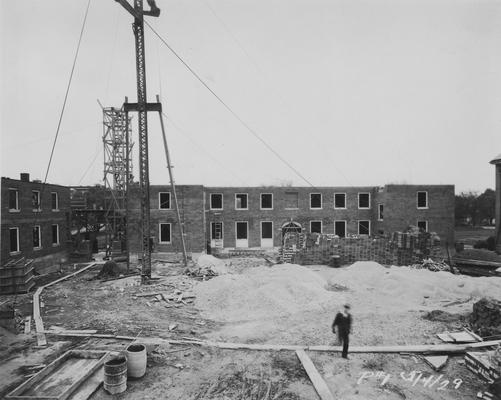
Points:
(41, 340)
(38, 376)
(39, 328)
(436, 362)
(479, 263)
(316, 379)
(27, 325)
(86, 389)
(50, 382)
(426, 349)
(445, 337)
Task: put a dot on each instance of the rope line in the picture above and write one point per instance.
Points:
(252, 131)
(66, 96)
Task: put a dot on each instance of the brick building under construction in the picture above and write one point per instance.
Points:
(250, 217)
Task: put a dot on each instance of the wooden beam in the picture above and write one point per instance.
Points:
(420, 349)
(316, 379)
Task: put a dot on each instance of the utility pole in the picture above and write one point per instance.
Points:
(144, 182)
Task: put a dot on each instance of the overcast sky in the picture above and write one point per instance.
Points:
(349, 92)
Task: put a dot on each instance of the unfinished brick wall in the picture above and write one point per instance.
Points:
(401, 209)
(281, 214)
(400, 249)
(191, 206)
(24, 218)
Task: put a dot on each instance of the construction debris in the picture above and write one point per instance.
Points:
(436, 362)
(486, 317)
(485, 365)
(432, 265)
(62, 377)
(464, 336)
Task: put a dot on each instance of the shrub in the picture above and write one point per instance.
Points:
(489, 244)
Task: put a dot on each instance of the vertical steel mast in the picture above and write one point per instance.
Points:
(144, 182)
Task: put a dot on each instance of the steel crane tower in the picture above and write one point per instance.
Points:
(144, 182)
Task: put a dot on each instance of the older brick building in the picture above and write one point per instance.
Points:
(34, 218)
(257, 216)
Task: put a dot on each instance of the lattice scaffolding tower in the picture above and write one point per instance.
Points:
(117, 176)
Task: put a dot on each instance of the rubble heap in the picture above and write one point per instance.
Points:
(486, 317)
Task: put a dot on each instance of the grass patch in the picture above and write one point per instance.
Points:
(375, 362)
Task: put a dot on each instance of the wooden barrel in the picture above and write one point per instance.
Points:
(136, 360)
(115, 375)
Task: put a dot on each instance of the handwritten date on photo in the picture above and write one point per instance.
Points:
(414, 378)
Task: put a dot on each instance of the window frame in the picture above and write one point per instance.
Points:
(427, 200)
(426, 223)
(39, 237)
(160, 233)
(57, 201)
(213, 223)
(261, 201)
(272, 233)
(246, 201)
(345, 227)
(17, 209)
(340, 208)
(369, 228)
(297, 196)
(18, 245)
(57, 243)
(321, 201)
(236, 230)
(39, 201)
(368, 201)
(321, 225)
(160, 201)
(380, 212)
(210, 201)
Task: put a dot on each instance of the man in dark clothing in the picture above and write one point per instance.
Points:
(343, 324)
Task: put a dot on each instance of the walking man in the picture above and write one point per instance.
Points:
(343, 324)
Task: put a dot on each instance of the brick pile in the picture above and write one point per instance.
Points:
(399, 249)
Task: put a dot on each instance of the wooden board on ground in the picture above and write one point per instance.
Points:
(89, 386)
(316, 379)
(459, 337)
(58, 380)
(480, 363)
(436, 362)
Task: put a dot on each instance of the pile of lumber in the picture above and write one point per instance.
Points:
(477, 267)
(483, 365)
(201, 273)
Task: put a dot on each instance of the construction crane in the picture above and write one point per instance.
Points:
(142, 109)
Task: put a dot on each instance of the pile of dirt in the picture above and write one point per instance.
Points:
(405, 287)
(109, 269)
(486, 317)
(264, 293)
(206, 261)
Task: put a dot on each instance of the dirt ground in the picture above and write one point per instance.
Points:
(194, 372)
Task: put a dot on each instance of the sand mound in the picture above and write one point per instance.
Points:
(264, 293)
(208, 261)
(407, 286)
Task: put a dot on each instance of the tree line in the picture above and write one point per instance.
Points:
(474, 209)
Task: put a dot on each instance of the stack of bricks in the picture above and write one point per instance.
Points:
(401, 249)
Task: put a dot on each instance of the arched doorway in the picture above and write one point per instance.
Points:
(291, 227)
